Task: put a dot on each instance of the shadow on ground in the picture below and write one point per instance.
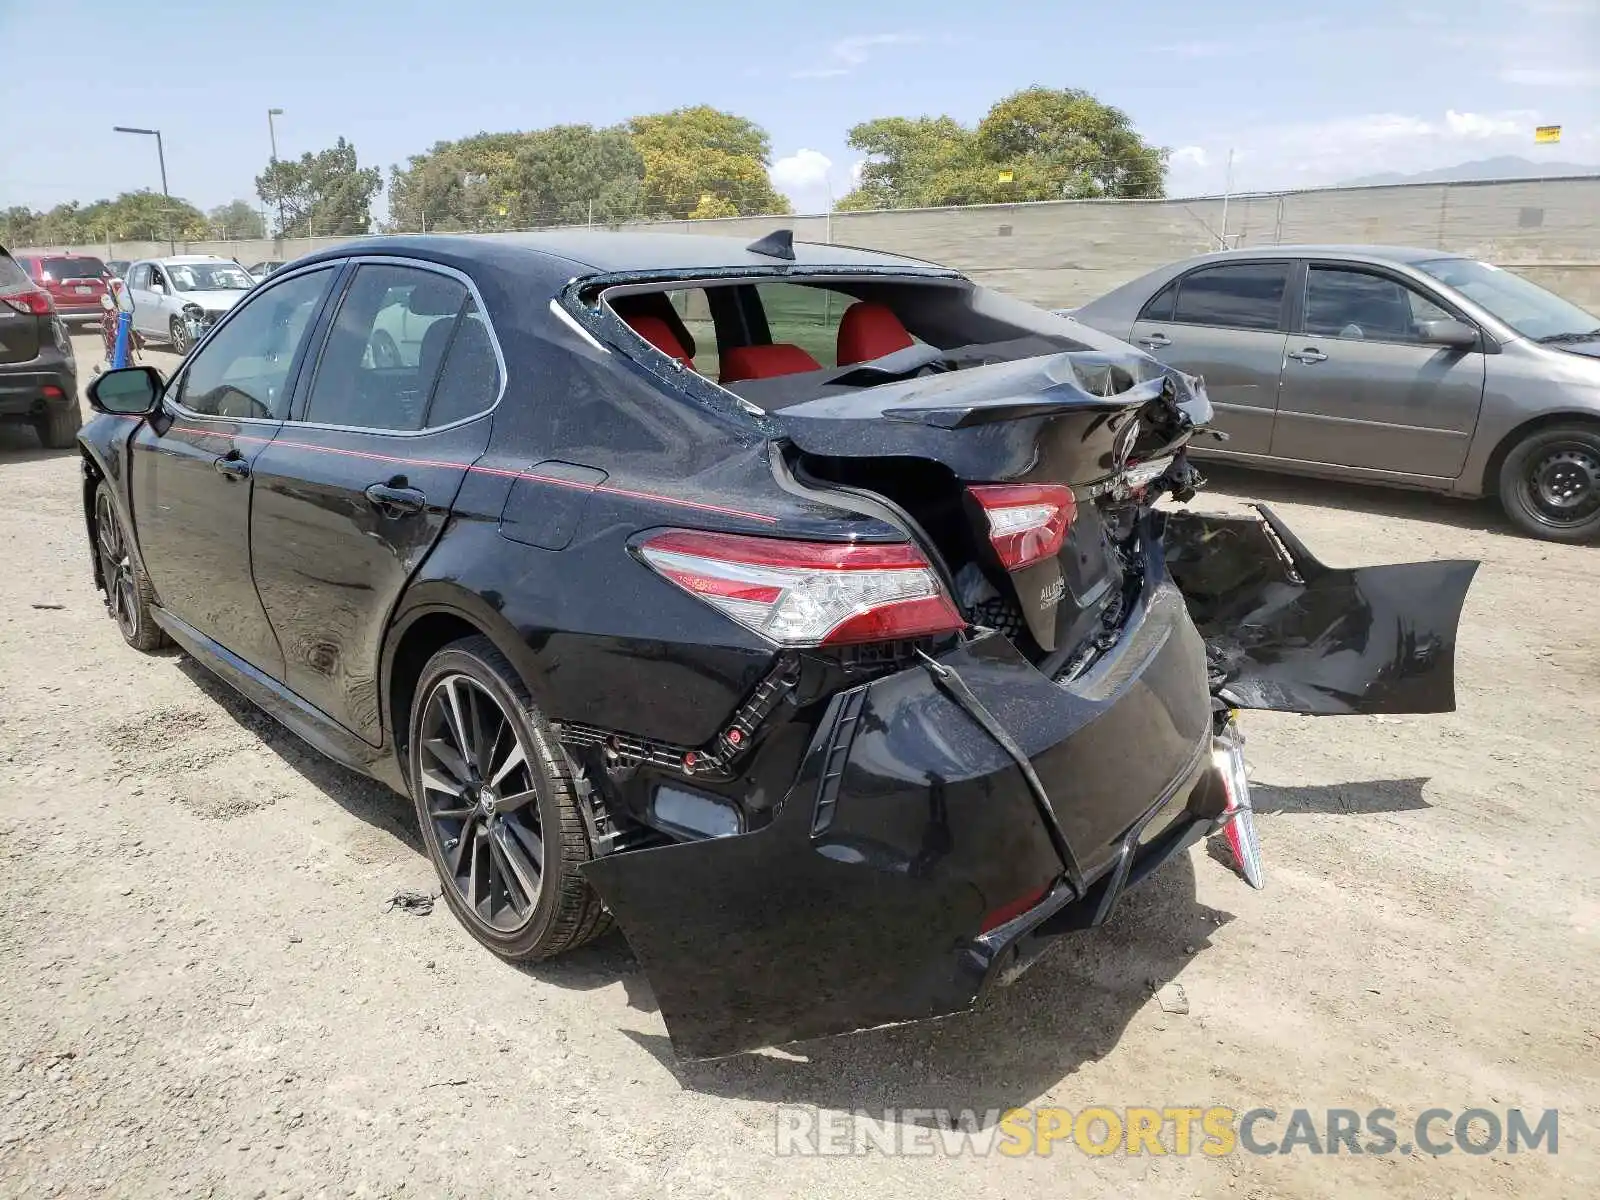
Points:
(19, 443)
(361, 797)
(1071, 1008)
(1270, 488)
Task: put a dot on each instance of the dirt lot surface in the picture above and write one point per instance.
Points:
(202, 991)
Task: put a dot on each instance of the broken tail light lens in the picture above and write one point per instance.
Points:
(1027, 522)
(808, 593)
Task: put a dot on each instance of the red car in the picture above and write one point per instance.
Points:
(74, 282)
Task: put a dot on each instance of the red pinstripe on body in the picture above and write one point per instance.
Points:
(532, 476)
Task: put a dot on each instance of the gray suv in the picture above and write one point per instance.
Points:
(1415, 368)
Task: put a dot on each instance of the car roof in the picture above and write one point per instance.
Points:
(1404, 255)
(604, 252)
(179, 260)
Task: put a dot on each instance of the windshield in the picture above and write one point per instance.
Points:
(1526, 307)
(209, 277)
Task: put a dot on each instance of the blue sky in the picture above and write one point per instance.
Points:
(1370, 85)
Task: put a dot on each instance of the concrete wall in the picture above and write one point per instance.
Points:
(1066, 253)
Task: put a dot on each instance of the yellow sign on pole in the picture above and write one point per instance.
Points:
(1546, 134)
(1007, 177)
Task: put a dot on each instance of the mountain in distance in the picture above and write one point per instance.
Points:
(1507, 166)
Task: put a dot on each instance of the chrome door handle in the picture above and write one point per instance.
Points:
(1309, 355)
(396, 501)
(1155, 341)
(232, 466)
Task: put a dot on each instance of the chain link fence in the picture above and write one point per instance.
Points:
(1064, 253)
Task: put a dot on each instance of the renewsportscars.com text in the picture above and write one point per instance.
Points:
(1214, 1131)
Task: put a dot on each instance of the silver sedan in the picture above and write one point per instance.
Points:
(1413, 368)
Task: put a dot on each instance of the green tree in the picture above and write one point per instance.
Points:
(564, 175)
(455, 186)
(693, 153)
(574, 174)
(1037, 144)
(17, 225)
(237, 219)
(328, 194)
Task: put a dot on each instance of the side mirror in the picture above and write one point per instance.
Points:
(159, 289)
(127, 392)
(1458, 335)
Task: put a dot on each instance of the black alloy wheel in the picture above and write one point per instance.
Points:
(128, 593)
(483, 802)
(497, 802)
(1550, 483)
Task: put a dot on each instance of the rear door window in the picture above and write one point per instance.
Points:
(385, 349)
(1161, 305)
(1234, 296)
(469, 380)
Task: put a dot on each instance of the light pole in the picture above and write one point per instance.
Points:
(272, 133)
(161, 157)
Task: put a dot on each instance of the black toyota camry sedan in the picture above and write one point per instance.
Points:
(805, 610)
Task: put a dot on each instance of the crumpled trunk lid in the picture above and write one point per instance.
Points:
(1070, 418)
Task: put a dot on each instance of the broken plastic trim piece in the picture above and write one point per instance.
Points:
(953, 686)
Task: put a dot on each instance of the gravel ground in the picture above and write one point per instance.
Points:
(202, 992)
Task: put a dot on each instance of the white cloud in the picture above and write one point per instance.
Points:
(846, 54)
(1478, 125)
(856, 168)
(1317, 153)
(801, 171)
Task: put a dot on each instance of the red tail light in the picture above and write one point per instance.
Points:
(808, 593)
(1027, 522)
(33, 302)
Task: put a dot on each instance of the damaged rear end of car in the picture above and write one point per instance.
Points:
(989, 708)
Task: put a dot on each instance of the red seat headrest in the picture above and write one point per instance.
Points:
(656, 304)
(870, 330)
(659, 334)
(765, 362)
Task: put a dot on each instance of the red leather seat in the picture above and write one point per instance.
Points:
(870, 330)
(765, 362)
(660, 335)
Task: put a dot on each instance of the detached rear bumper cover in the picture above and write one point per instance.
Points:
(1287, 633)
(863, 903)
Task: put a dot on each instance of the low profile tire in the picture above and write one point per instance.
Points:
(178, 334)
(1550, 483)
(498, 807)
(128, 591)
(58, 427)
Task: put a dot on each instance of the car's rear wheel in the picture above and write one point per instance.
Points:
(58, 425)
(178, 333)
(1550, 483)
(384, 352)
(128, 591)
(498, 805)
